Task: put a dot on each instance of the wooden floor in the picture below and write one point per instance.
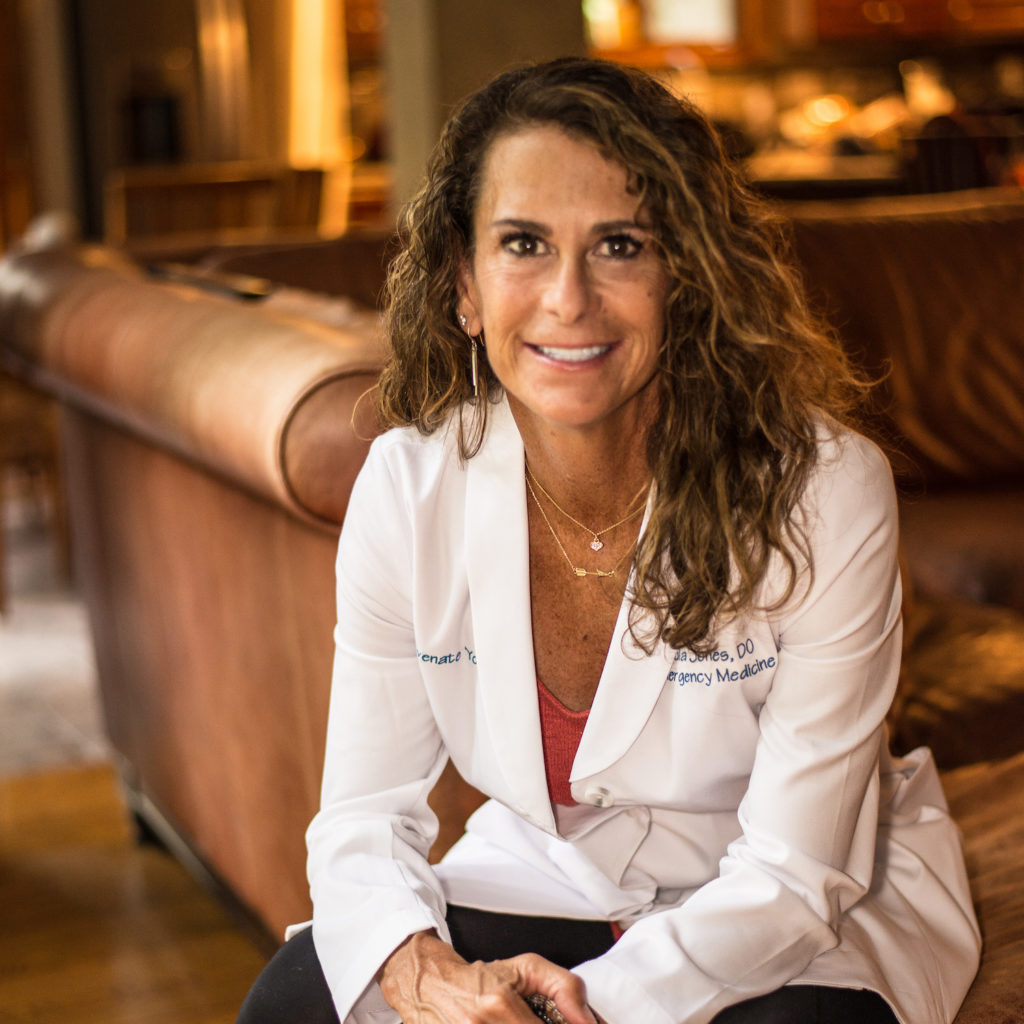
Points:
(97, 929)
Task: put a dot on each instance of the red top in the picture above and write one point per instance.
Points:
(561, 730)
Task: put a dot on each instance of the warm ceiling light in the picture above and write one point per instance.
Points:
(827, 110)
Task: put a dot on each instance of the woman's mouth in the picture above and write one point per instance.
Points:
(572, 355)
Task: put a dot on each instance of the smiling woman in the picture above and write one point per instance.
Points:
(620, 452)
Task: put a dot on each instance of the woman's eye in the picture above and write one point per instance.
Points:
(521, 244)
(621, 247)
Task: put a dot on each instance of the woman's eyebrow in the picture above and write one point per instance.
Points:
(537, 228)
(625, 224)
(533, 226)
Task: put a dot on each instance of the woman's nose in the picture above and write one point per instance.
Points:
(569, 292)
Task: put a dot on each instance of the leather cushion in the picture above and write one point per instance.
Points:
(966, 544)
(987, 801)
(961, 689)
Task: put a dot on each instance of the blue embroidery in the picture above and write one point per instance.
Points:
(713, 667)
(441, 659)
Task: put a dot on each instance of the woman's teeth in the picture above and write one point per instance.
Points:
(573, 355)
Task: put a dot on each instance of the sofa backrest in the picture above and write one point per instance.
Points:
(927, 293)
(353, 265)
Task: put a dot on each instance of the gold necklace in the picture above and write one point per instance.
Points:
(596, 543)
(577, 570)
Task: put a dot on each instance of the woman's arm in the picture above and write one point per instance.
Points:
(367, 846)
(379, 911)
(809, 816)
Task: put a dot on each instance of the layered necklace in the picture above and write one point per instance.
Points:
(596, 544)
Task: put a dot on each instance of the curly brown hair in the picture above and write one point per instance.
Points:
(747, 372)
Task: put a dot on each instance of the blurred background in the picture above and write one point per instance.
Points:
(323, 110)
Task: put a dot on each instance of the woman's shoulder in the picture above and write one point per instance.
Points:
(844, 453)
(440, 447)
(402, 482)
(852, 479)
(428, 466)
(408, 445)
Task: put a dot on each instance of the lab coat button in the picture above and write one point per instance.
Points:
(599, 797)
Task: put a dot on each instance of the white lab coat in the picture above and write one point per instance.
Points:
(740, 813)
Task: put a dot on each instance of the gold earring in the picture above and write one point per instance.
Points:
(474, 369)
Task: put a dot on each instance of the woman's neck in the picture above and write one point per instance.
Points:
(589, 473)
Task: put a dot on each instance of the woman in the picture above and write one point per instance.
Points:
(624, 565)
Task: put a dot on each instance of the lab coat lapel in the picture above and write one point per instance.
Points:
(497, 546)
(630, 686)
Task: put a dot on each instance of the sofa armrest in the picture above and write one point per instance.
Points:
(267, 399)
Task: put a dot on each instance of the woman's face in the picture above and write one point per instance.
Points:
(564, 284)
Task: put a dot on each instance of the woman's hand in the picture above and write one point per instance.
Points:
(427, 982)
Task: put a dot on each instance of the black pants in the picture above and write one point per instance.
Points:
(292, 989)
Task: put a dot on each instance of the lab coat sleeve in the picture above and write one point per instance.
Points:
(810, 813)
(367, 847)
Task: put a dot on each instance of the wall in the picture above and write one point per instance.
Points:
(437, 51)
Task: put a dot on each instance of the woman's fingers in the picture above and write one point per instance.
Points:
(535, 975)
(427, 982)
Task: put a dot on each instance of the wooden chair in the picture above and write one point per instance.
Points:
(155, 202)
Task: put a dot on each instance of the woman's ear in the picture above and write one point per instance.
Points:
(469, 303)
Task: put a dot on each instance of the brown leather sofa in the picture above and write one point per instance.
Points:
(209, 454)
(212, 441)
